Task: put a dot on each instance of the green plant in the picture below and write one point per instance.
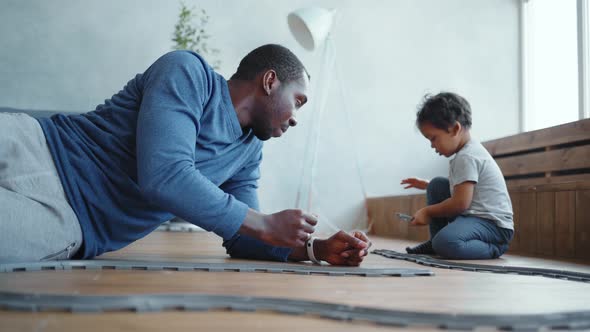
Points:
(190, 34)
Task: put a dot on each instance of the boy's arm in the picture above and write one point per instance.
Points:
(459, 202)
(464, 171)
(415, 183)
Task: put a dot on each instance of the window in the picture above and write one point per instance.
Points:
(551, 82)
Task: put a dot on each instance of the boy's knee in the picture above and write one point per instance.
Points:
(438, 183)
(500, 249)
(446, 246)
(438, 190)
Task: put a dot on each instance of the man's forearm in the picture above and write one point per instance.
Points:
(298, 254)
(253, 224)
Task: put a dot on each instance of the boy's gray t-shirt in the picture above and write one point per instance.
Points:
(490, 195)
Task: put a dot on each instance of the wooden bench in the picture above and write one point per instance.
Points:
(548, 176)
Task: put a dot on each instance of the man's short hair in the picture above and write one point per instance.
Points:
(271, 56)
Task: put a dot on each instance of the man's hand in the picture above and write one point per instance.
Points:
(421, 218)
(343, 248)
(288, 228)
(415, 183)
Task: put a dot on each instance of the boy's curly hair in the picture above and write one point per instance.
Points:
(443, 110)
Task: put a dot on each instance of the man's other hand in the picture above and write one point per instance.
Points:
(343, 248)
(288, 228)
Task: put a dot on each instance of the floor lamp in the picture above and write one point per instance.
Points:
(311, 28)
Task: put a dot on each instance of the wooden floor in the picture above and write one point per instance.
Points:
(448, 291)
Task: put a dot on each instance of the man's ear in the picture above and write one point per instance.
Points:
(269, 81)
(456, 129)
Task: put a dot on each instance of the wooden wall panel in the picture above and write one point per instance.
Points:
(565, 133)
(382, 211)
(376, 207)
(547, 161)
(375, 215)
(565, 222)
(402, 226)
(514, 245)
(579, 179)
(545, 223)
(583, 224)
(528, 219)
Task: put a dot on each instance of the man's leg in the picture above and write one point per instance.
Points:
(471, 238)
(437, 191)
(36, 220)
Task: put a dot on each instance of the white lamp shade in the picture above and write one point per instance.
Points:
(310, 26)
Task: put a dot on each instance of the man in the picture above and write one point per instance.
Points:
(177, 140)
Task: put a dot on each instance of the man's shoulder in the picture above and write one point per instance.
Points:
(184, 68)
(184, 58)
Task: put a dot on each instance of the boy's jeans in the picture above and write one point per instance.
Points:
(464, 237)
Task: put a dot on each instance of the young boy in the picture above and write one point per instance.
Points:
(470, 213)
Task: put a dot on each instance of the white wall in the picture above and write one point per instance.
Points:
(71, 55)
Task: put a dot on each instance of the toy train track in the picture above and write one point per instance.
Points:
(203, 302)
(528, 271)
(302, 269)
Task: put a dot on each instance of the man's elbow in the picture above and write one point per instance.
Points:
(152, 192)
(230, 247)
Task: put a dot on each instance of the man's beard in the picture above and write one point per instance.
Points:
(262, 136)
(262, 128)
(262, 124)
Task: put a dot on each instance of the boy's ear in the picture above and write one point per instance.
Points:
(456, 128)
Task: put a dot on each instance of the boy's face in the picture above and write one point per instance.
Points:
(444, 142)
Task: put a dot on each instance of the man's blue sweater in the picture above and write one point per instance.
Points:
(168, 144)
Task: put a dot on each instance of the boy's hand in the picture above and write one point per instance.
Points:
(421, 218)
(415, 183)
